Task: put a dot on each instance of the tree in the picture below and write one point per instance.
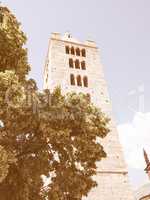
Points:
(50, 135)
(13, 55)
(6, 158)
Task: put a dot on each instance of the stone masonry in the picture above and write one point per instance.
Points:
(76, 66)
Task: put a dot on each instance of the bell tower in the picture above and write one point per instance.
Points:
(76, 66)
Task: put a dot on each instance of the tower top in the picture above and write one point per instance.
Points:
(67, 37)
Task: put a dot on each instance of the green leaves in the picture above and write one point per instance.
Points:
(13, 55)
(6, 159)
(42, 133)
(59, 141)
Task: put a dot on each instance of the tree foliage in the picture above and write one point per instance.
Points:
(47, 135)
(6, 158)
(13, 55)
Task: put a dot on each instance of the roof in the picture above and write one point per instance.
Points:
(68, 38)
(143, 191)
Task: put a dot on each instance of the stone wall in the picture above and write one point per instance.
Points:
(112, 177)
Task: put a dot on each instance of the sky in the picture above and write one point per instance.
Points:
(121, 29)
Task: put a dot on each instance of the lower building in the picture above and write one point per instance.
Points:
(143, 193)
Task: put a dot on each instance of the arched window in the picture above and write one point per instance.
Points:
(72, 79)
(67, 49)
(72, 51)
(83, 53)
(78, 52)
(70, 62)
(79, 82)
(83, 66)
(77, 64)
(85, 81)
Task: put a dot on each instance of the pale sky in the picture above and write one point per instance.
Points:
(121, 29)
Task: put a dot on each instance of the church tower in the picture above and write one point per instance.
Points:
(76, 66)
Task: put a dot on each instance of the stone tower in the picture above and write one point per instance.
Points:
(76, 66)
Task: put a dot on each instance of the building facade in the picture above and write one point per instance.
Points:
(76, 66)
